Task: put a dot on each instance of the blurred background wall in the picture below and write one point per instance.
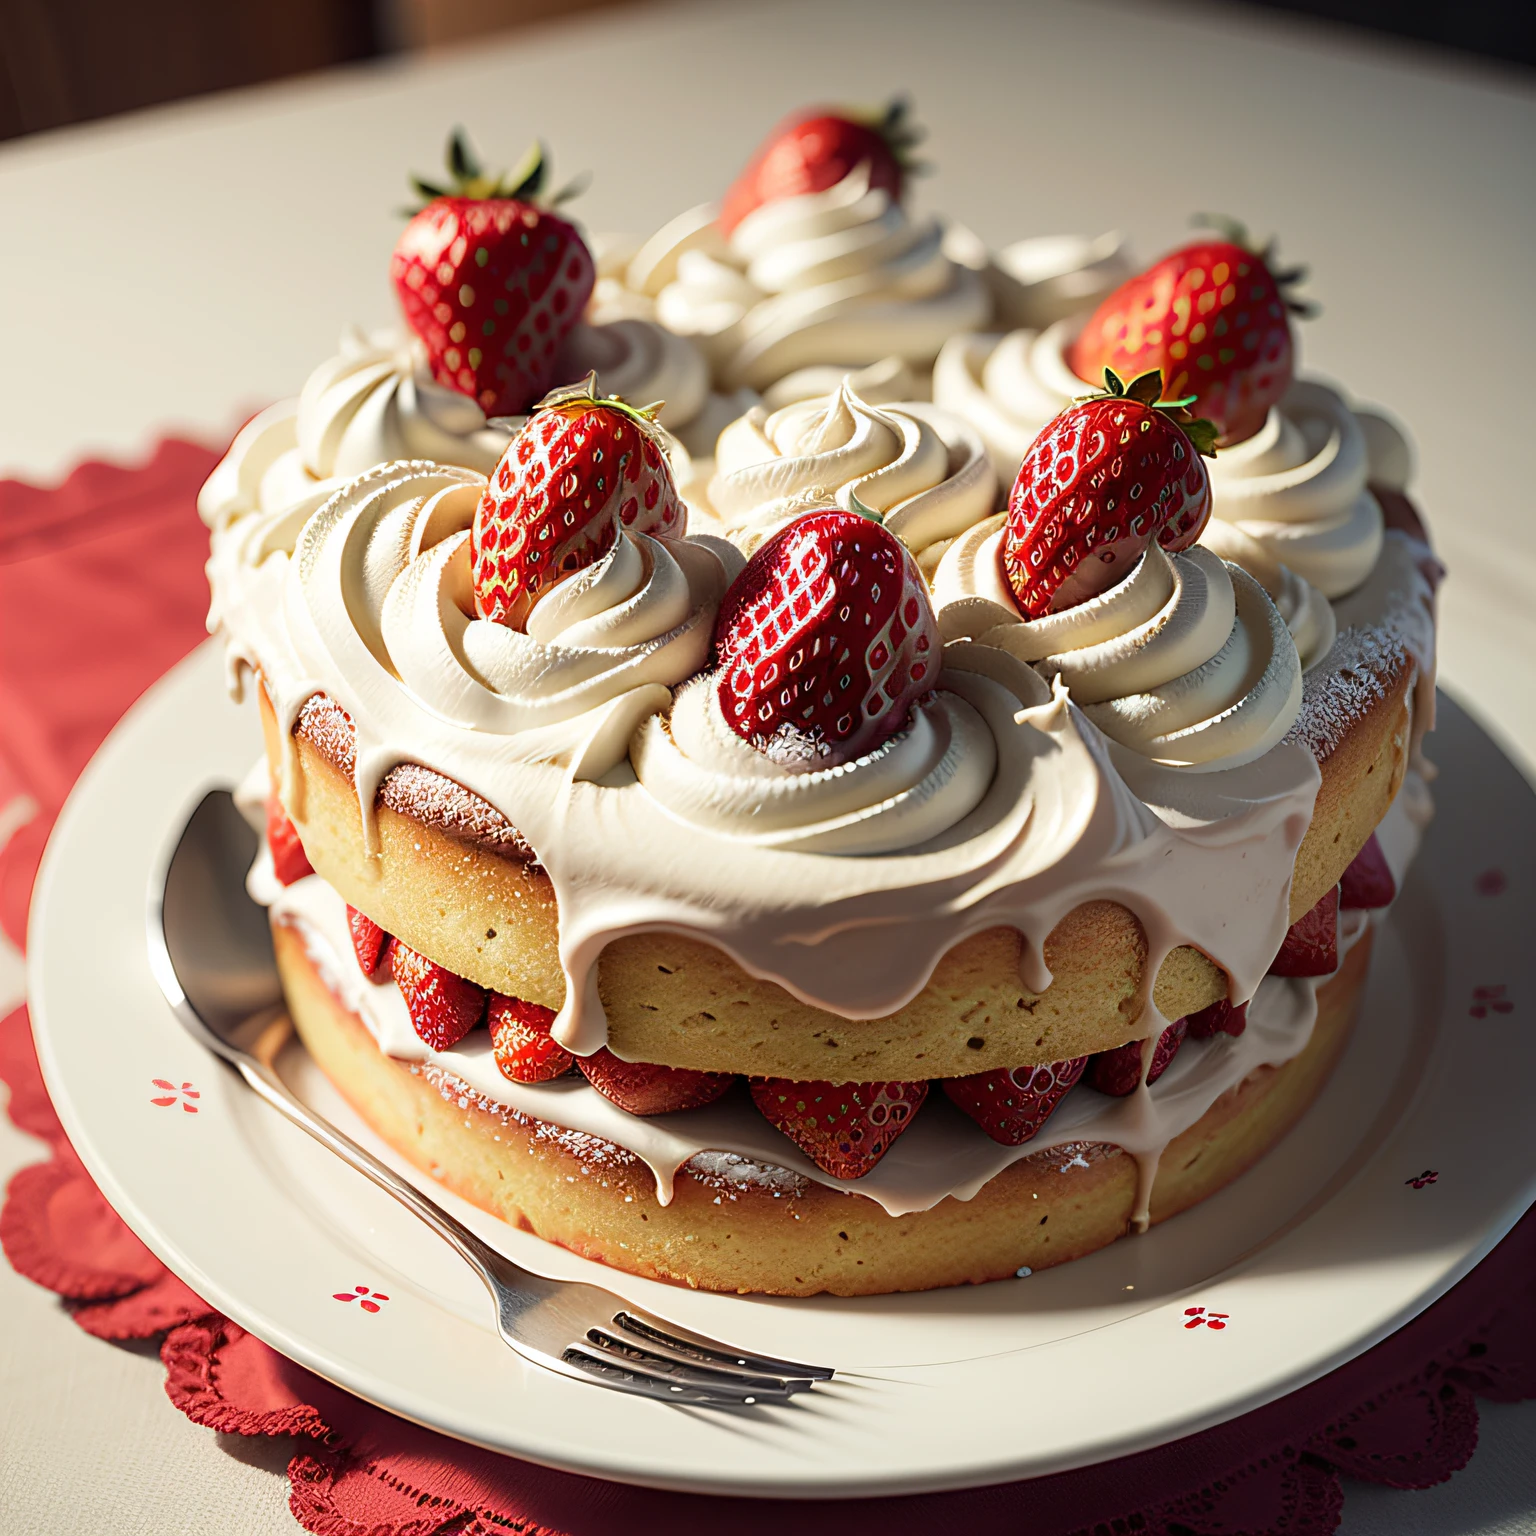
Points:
(68, 61)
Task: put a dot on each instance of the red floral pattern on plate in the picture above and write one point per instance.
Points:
(169, 1094)
(1490, 999)
(370, 1301)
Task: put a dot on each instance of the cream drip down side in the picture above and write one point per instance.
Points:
(943, 1155)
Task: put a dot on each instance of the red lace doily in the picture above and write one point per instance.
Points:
(122, 550)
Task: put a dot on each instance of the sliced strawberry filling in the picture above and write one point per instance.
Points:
(646, 1089)
(844, 1128)
(521, 1042)
(1368, 881)
(289, 861)
(443, 1007)
(1311, 946)
(1118, 1072)
(1011, 1105)
(368, 941)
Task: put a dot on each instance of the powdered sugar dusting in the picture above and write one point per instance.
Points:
(1360, 673)
(731, 1174)
(411, 789)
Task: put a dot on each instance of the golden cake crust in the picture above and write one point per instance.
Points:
(736, 1229)
(457, 883)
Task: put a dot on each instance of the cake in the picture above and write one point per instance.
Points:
(618, 888)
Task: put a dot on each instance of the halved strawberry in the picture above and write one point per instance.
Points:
(1311, 946)
(1011, 1105)
(491, 281)
(443, 1007)
(584, 466)
(520, 1040)
(643, 1088)
(1118, 1072)
(289, 861)
(825, 642)
(1368, 881)
(1104, 479)
(844, 1128)
(368, 941)
(815, 149)
(1213, 317)
(1221, 1018)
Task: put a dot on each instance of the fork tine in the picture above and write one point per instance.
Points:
(711, 1352)
(687, 1365)
(668, 1386)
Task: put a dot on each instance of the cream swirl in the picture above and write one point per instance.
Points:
(1008, 386)
(1307, 613)
(917, 469)
(842, 276)
(1038, 281)
(911, 789)
(1297, 488)
(375, 401)
(381, 573)
(1185, 661)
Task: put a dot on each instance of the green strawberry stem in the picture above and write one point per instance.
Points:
(1146, 389)
(1286, 278)
(584, 394)
(468, 178)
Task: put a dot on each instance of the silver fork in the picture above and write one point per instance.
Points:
(210, 947)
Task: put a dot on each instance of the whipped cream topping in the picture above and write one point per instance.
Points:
(1009, 386)
(918, 469)
(1036, 282)
(912, 788)
(376, 401)
(843, 276)
(378, 593)
(1307, 613)
(1185, 660)
(1297, 488)
(351, 614)
(944, 1154)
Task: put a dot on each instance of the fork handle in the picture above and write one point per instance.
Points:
(495, 1269)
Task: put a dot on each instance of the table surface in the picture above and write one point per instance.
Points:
(177, 268)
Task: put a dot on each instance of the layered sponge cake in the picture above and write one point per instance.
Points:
(837, 854)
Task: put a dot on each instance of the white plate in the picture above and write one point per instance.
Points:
(1316, 1254)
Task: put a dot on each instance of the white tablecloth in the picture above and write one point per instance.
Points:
(177, 268)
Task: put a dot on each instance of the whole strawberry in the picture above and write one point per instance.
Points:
(844, 1128)
(1214, 318)
(1103, 480)
(521, 1043)
(1011, 1105)
(491, 281)
(825, 642)
(583, 467)
(816, 149)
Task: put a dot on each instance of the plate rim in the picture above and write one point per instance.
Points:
(809, 1482)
